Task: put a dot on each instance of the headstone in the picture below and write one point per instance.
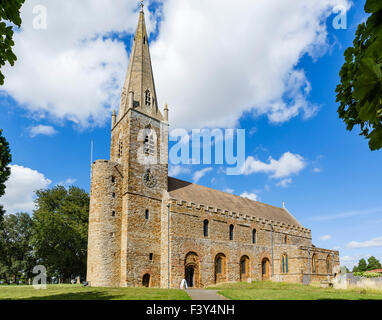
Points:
(183, 284)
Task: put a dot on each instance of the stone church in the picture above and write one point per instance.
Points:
(149, 229)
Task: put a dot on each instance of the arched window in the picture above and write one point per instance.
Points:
(231, 232)
(205, 228)
(147, 214)
(314, 263)
(148, 98)
(284, 263)
(254, 236)
(329, 268)
(220, 268)
(244, 268)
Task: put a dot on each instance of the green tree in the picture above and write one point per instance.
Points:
(5, 170)
(9, 16)
(360, 90)
(362, 265)
(373, 263)
(16, 258)
(60, 230)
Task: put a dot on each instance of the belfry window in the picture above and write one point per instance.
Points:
(148, 98)
(149, 144)
(120, 149)
(205, 228)
(147, 214)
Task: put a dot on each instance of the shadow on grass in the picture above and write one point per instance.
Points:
(74, 296)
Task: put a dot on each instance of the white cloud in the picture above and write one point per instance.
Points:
(72, 70)
(347, 214)
(20, 188)
(285, 183)
(317, 170)
(251, 196)
(286, 166)
(229, 190)
(175, 171)
(219, 58)
(326, 237)
(68, 182)
(200, 174)
(212, 60)
(42, 130)
(375, 242)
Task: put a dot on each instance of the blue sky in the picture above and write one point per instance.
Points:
(336, 194)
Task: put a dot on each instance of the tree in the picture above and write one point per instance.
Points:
(373, 263)
(60, 230)
(360, 91)
(16, 259)
(362, 265)
(5, 170)
(10, 12)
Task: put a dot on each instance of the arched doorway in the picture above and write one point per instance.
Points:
(265, 274)
(146, 280)
(190, 274)
(191, 270)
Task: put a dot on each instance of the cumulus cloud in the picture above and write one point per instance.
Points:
(175, 171)
(212, 60)
(42, 130)
(229, 190)
(251, 196)
(286, 166)
(284, 183)
(74, 69)
(20, 188)
(375, 242)
(68, 182)
(200, 174)
(219, 58)
(326, 237)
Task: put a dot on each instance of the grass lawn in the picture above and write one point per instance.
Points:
(78, 292)
(266, 290)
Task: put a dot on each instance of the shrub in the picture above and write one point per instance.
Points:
(367, 274)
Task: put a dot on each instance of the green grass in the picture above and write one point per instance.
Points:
(78, 292)
(266, 290)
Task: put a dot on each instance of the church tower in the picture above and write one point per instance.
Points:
(126, 192)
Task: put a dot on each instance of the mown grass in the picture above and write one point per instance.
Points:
(266, 290)
(78, 292)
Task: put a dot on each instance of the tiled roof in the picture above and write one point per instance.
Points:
(182, 190)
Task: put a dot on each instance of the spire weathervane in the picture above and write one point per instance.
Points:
(142, 5)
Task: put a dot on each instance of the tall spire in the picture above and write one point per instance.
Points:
(139, 88)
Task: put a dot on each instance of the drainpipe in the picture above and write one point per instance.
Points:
(273, 270)
(168, 246)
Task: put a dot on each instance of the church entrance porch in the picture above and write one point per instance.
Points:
(191, 270)
(265, 269)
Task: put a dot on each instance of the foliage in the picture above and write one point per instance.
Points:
(367, 274)
(16, 259)
(5, 170)
(360, 90)
(9, 16)
(60, 229)
(373, 263)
